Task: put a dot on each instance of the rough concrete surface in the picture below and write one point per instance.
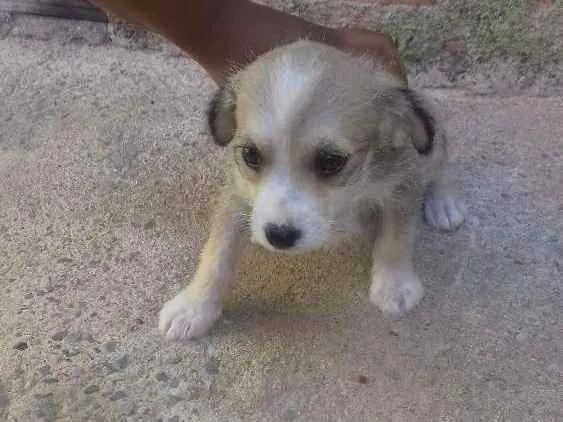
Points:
(107, 176)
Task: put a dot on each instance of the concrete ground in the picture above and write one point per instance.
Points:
(107, 176)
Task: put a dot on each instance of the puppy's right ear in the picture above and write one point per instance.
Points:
(221, 115)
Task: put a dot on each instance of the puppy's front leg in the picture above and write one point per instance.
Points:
(395, 288)
(194, 310)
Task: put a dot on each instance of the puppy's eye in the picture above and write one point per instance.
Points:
(329, 163)
(251, 156)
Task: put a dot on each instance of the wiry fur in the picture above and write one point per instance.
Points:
(291, 103)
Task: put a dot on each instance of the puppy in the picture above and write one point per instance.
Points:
(323, 146)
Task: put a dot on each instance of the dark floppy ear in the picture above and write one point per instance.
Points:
(422, 120)
(221, 115)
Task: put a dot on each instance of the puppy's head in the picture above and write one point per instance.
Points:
(314, 133)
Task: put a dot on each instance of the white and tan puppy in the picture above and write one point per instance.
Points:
(324, 146)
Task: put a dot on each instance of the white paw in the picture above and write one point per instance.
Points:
(395, 291)
(443, 213)
(184, 318)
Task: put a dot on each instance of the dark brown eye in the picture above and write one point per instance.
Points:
(329, 163)
(251, 156)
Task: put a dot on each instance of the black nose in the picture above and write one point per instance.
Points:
(282, 237)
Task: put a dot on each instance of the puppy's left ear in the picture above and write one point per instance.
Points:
(421, 119)
(221, 117)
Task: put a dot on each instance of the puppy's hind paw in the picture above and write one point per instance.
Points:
(443, 213)
(184, 318)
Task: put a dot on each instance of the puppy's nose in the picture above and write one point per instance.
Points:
(282, 237)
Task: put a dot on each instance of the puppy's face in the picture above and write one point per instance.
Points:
(315, 135)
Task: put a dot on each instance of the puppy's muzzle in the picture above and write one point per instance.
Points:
(282, 237)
